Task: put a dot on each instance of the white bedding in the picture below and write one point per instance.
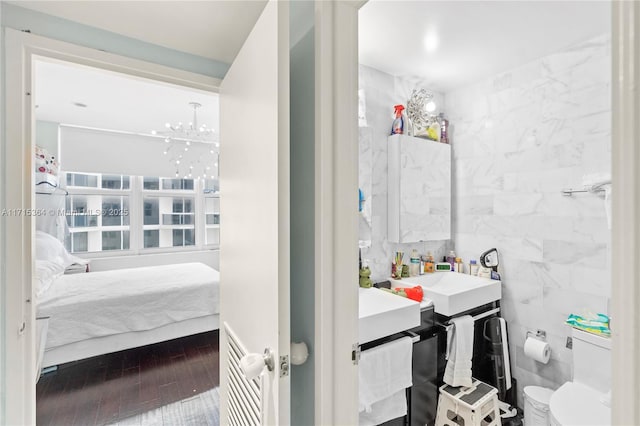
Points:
(95, 304)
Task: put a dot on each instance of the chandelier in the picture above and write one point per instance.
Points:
(192, 149)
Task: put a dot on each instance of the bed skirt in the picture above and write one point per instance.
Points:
(118, 342)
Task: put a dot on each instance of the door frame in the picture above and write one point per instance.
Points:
(18, 347)
(336, 225)
(341, 20)
(625, 243)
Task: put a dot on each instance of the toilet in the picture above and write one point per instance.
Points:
(585, 400)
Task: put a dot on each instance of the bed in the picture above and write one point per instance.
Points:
(95, 313)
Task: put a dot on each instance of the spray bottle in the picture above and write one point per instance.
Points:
(397, 128)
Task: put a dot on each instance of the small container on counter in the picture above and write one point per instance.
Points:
(405, 271)
(473, 267)
(451, 259)
(484, 272)
(459, 265)
(429, 266)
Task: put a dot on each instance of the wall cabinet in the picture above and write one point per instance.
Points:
(419, 190)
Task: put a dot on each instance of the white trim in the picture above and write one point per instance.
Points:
(336, 228)
(3, 286)
(19, 347)
(626, 214)
(20, 48)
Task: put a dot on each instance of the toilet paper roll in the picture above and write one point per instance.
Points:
(537, 350)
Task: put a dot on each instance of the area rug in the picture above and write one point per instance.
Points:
(200, 410)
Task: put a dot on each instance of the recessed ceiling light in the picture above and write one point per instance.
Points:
(431, 42)
(80, 104)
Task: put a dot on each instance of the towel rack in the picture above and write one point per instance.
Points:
(485, 314)
(568, 192)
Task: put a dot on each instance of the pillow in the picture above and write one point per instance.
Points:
(49, 248)
(46, 272)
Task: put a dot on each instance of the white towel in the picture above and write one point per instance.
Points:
(458, 369)
(600, 181)
(385, 371)
(382, 411)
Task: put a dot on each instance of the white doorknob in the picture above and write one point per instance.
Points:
(253, 364)
(299, 353)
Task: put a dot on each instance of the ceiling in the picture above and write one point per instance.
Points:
(452, 43)
(211, 29)
(115, 101)
(469, 40)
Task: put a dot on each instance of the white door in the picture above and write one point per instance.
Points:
(254, 207)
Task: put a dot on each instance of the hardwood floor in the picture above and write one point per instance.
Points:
(112, 387)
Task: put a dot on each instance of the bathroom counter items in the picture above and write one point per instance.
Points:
(382, 314)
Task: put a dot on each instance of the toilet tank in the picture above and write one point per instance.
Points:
(592, 360)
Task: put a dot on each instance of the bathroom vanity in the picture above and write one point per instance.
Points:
(385, 317)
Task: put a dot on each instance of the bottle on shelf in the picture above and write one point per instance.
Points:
(397, 128)
(444, 128)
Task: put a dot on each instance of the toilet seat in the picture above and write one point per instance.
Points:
(574, 404)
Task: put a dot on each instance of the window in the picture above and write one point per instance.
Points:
(113, 213)
(184, 184)
(212, 219)
(79, 242)
(97, 211)
(115, 240)
(151, 238)
(115, 182)
(82, 180)
(169, 213)
(151, 183)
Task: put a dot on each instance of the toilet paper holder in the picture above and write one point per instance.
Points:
(538, 334)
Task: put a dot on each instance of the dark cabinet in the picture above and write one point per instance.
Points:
(423, 395)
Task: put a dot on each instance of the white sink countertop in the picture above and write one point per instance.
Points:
(383, 314)
(453, 292)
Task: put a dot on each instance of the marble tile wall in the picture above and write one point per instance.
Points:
(518, 138)
(379, 92)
